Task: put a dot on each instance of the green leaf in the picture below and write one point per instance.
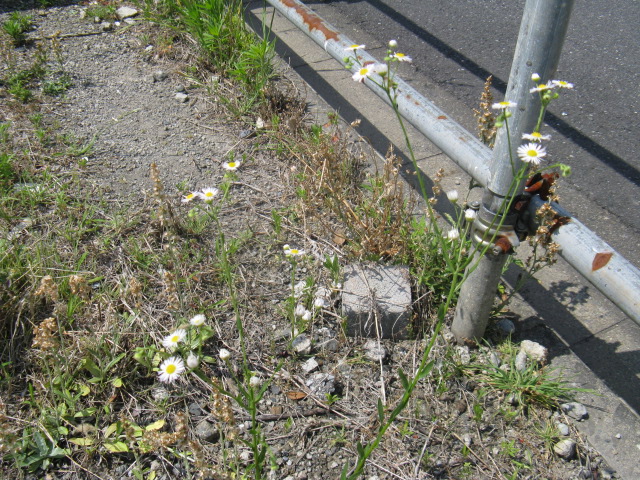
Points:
(110, 429)
(117, 447)
(82, 441)
(62, 430)
(157, 425)
(117, 382)
(360, 449)
(87, 412)
(380, 411)
(423, 372)
(91, 367)
(403, 379)
(83, 389)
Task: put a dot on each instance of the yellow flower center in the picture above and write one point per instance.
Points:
(175, 339)
(532, 153)
(294, 251)
(232, 164)
(536, 134)
(208, 194)
(363, 71)
(171, 368)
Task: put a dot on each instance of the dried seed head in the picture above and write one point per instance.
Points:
(44, 335)
(48, 289)
(78, 285)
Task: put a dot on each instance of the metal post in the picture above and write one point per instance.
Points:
(542, 32)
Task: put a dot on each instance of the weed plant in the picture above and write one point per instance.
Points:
(227, 45)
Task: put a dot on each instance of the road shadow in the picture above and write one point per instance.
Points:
(7, 6)
(606, 156)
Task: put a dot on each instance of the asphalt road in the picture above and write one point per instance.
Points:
(456, 44)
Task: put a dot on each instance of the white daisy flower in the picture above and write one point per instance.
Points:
(470, 214)
(401, 57)
(300, 310)
(171, 369)
(531, 153)
(453, 234)
(306, 317)
(452, 195)
(361, 74)
(231, 166)
(292, 252)
(192, 360)
(353, 48)
(503, 105)
(542, 87)
(190, 196)
(170, 342)
(198, 320)
(535, 137)
(208, 194)
(562, 84)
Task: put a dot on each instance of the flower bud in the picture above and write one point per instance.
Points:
(535, 77)
(255, 382)
(192, 360)
(452, 195)
(393, 43)
(224, 354)
(470, 214)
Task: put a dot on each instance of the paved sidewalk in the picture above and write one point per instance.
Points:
(589, 338)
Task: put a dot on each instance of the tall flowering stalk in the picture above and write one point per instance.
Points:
(531, 154)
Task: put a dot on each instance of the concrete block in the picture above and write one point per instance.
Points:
(377, 294)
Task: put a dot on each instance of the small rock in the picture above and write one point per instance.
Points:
(374, 351)
(207, 431)
(575, 410)
(618, 436)
(563, 429)
(301, 344)
(565, 448)
(505, 326)
(467, 440)
(494, 359)
(126, 12)
(106, 26)
(521, 361)
(129, 21)
(182, 97)
(535, 351)
(463, 354)
(159, 76)
(321, 383)
(310, 365)
(245, 133)
(195, 410)
(329, 345)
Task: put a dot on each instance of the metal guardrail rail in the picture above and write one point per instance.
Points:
(594, 259)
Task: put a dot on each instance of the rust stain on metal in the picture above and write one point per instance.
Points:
(600, 260)
(442, 117)
(313, 21)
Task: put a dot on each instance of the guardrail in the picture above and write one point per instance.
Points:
(593, 258)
